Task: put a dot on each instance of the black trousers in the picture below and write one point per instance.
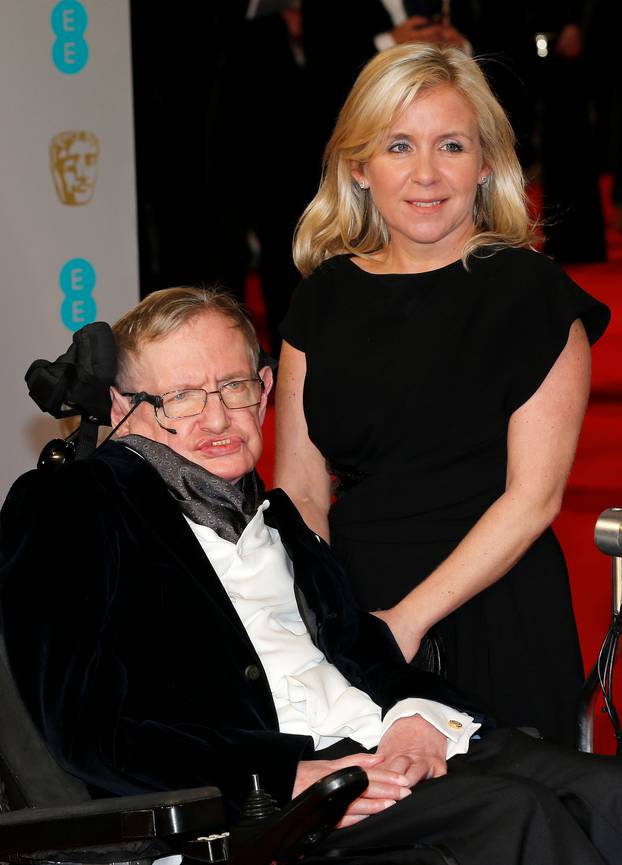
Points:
(511, 800)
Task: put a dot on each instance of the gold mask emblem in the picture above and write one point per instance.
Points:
(73, 163)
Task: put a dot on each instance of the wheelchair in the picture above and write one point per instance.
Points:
(47, 815)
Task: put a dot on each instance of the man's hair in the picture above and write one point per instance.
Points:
(162, 312)
(342, 218)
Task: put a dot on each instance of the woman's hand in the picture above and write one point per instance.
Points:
(386, 786)
(404, 630)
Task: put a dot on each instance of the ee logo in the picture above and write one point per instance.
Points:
(77, 281)
(70, 51)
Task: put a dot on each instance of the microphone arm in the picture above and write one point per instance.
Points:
(137, 398)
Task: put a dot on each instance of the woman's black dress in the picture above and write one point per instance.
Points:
(411, 381)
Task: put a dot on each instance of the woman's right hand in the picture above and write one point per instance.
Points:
(404, 630)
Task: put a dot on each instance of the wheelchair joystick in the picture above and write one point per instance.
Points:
(259, 806)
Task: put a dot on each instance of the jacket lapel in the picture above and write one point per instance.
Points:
(146, 496)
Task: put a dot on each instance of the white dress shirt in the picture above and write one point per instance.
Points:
(311, 696)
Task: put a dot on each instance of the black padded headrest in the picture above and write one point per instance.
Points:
(78, 382)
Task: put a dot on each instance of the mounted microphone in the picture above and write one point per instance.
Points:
(137, 398)
(155, 401)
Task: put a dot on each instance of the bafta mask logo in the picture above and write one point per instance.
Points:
(73, 162)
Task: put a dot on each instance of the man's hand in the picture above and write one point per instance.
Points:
(569, 42)
(404, 630)
(386, 786)
(417, 29)
(450, 36)
(415, 748)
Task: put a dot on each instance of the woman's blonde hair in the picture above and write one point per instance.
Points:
(162, 312)
(342, 218)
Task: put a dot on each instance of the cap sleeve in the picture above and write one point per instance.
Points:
(540, 326)
(300, 325)
(294, 327)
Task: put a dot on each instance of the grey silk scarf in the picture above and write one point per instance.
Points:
(203, 497)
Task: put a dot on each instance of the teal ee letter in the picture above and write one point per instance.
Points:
(70, 51)
(77, 281)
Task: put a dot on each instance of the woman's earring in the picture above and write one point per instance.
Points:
(362, 184)
(485, 179)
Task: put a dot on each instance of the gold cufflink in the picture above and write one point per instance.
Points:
(455, 725)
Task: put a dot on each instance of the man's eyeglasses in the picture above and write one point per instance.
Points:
(177, 404)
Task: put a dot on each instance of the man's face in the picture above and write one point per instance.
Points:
(206, 352)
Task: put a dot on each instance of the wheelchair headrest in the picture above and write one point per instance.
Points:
(78, 382)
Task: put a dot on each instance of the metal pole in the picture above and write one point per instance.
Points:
(616, 584)
(608, 539)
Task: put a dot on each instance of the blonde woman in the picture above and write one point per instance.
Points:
(439, 368)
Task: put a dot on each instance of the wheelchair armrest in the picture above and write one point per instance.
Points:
(155, 816)
(301, 825)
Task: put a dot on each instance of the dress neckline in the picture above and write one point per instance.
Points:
(425, 274)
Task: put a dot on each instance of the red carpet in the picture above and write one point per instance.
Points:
(596, 479)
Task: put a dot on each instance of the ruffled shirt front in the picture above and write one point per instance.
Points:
(311, 696)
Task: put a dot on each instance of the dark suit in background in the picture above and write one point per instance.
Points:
(221, 117)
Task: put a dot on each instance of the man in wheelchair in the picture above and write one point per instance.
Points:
(171, 625)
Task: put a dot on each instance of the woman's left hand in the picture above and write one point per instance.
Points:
(404, 632)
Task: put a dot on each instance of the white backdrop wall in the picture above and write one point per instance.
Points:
(68, 248)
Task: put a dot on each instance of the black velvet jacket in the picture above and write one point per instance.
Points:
(131, 657)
